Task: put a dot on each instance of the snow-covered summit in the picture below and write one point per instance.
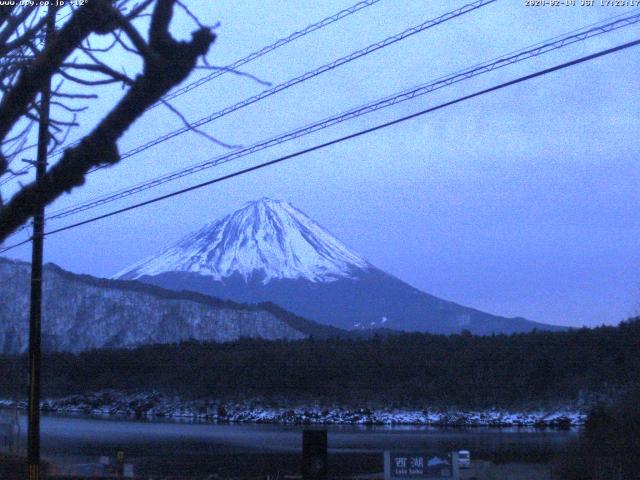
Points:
(267, 239)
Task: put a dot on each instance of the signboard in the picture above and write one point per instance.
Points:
(420, 466)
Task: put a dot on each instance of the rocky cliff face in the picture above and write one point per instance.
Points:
(82, 312)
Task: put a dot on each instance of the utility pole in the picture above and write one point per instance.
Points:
(35, 314)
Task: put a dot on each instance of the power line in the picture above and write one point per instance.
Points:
(242, 61)
(16, 245)
(257, 54)
(277, 44)
(301, 78)
(309, 75)
(499, 62)
(491, 65)
(260, 166)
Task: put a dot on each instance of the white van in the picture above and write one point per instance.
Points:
(464, 459)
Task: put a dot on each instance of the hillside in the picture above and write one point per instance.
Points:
(268, 250)
(81, 312)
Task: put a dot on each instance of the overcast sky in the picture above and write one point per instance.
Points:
(522, 202)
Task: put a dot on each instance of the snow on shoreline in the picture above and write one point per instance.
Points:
(154, 405)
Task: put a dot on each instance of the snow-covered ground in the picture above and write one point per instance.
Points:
(112, 403)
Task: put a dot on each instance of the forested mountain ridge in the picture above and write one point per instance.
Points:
(81, 312)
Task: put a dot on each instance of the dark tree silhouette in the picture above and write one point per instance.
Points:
(26, 65)
(520, 371)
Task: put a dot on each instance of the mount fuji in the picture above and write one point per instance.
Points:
(266, 240)
(271, 251)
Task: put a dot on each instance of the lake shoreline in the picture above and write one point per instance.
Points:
(189, 447)
(155, 406)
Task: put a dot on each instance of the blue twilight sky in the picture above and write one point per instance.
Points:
(522, 202)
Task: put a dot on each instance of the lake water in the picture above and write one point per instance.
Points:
(163, 447)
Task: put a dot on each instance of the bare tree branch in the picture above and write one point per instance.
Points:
(101, 68)
(202, 133)
(168, 64)
(93, 16)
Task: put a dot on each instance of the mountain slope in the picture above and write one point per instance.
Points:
(266, 240)
(81, 312)
(271, 251)
(374, 300)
